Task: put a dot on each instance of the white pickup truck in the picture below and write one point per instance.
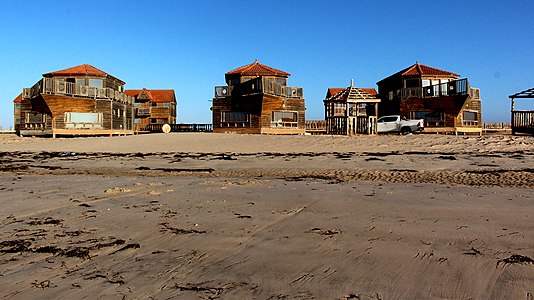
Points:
(397, 124)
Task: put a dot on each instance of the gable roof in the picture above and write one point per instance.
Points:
(258, 69)
(84, 69)
(418, 69)
(333, 91)
(154, 95)
(18, 99)
(352, 94)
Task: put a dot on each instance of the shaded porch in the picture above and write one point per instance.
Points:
(522, 120)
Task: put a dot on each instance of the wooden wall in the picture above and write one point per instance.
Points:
(116, 115)
(219, 105)
(26, 107)
(273, 103)
(452, 108)
(260, 108)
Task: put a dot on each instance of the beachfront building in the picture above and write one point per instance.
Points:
(153, 107)
(257, 99)
(81, 100)
(445, 101)
(522, 120)
(16, 112)
(351, 110)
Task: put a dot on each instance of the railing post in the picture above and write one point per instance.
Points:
(512, 117)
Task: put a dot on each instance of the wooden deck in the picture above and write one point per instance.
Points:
(453, 130)
(92, 132)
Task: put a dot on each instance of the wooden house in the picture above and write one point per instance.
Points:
(257, 99)
(16, 112)
(81, 100)
(444, 100)
(522, 120)
(153, 107)
(351, 110)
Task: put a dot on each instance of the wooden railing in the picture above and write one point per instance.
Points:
(315, 125)
(451, 88)
(257, 86)
(523, 121)
(57, 87)
(496, 126)
(180, 128)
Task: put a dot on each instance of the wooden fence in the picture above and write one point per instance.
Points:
(180, 128)
(523, 121)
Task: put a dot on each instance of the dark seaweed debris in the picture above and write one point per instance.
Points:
(515, 259)
(175, 230)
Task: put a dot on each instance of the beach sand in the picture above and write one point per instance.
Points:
(204, 216)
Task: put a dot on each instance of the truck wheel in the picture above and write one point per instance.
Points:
(405, 130)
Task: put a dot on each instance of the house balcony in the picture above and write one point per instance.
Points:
(448, 89)
(259, 85)
(53, 86)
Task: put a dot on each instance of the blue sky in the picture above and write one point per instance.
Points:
(189, 45)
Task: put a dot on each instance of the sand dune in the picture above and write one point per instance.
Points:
(202, 216)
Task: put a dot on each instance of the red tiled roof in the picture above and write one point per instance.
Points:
(163, 95)
(333, 91)
(154, 95)
(258, 69)
(18, 99)
(418, 69)
(132, 93)
(352, 94)
(84, 69)
(370, 91)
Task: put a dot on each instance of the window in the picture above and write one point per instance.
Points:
(410, 83)
(281, 81)
(83, 120)
(284, 119)
(80, 81)
(470, 118)
(431, 118)
(35, 118)
(444, 87)
(339, 109)
(235, 117)
(98, 83)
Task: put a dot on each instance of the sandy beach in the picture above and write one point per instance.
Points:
(215, 216)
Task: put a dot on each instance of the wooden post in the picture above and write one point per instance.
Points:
(512, 117)
(53, 127)
(111, 118)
